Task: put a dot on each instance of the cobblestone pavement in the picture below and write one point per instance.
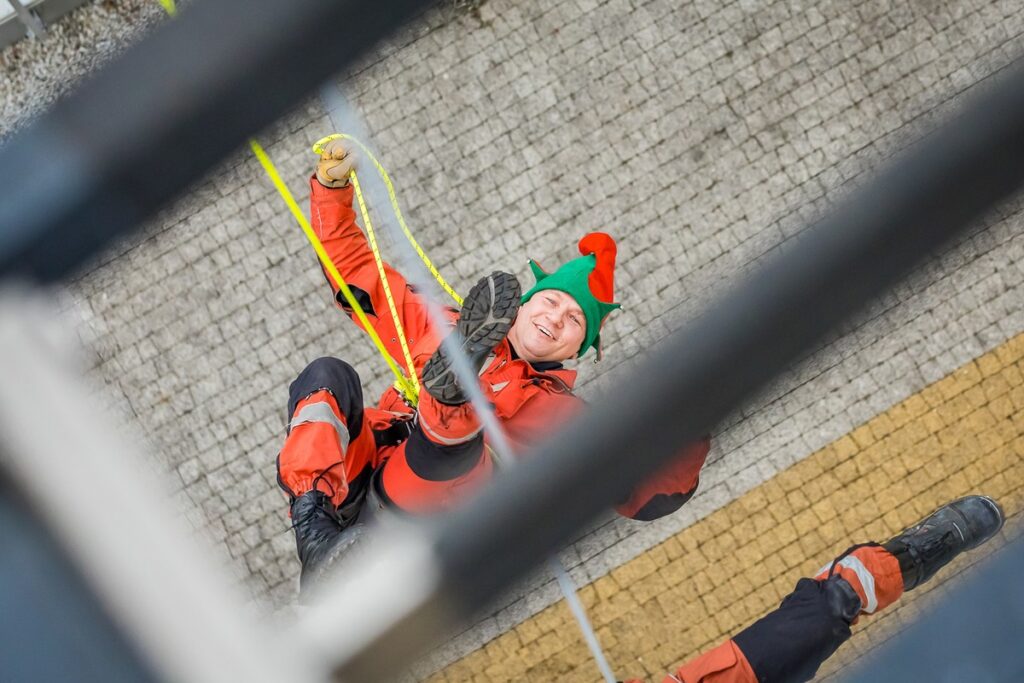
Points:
(704, 135)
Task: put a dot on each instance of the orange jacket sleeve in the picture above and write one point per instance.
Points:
(334, 222)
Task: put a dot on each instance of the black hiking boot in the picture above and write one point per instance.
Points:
(319, 538)
(487, 315)
(933, 542)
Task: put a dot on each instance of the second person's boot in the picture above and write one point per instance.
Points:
(933, 542)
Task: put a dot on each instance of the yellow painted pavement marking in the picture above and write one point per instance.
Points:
(963, 434)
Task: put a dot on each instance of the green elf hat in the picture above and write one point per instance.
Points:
(589, 280)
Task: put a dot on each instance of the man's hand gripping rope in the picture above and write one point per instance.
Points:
(337, 163)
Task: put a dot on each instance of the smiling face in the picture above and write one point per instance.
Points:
(549, 327)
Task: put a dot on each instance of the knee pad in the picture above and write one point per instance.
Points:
(432, 462)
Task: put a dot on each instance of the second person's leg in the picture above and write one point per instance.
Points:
(789, 644)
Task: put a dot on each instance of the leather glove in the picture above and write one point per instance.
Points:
(336, 162)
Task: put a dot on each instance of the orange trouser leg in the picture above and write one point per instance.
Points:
(441, 463)
(872, 571)
(318, 454)
(789, 643)
(726, 663)
(329, 443)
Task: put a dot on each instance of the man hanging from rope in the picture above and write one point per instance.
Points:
(338, 450)
(789, 644)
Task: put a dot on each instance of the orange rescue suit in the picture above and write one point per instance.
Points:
(529, 400)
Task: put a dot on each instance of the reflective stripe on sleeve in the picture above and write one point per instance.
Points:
(866, 578)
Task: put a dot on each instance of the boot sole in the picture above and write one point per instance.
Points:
(487, 315)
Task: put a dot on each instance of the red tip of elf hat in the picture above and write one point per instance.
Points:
(602, 278)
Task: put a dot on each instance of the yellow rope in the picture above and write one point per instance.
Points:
(384, 281)
(169, 7)
(318, 148)
(408, 389)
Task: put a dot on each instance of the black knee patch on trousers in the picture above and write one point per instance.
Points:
(338, 377)
(789, 644)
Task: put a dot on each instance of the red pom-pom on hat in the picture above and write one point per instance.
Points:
(602, 278)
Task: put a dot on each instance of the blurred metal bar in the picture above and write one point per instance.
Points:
(62, 632)
(33, 24)
(12, 28)
(702, 372)
(99, 500)
(973, 635)
(162, 114)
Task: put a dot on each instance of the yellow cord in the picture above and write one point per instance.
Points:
(169, 7)
(409, 390)
(318, 148)
(384, 281)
